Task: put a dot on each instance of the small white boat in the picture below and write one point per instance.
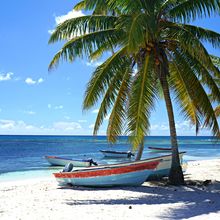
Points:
(160, 149)
(61, 161)
(117, 154)
(123, 174)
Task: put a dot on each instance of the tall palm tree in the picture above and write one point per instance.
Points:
(155, 50)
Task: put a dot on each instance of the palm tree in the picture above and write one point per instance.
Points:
(155, 50)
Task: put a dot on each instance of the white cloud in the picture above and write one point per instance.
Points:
(107, 117)
(94, 63)
(55, 107)
(82, 121)
(182, 128)
(184, 125)
(6, 76)
(72, 14)
(164, 127)
(154, 127)
(40, 80)
(7, 124)
(15, 125)
(30, 81)
(20, 127)
(58, 107)
(91, 126)
(30, 112)
(69, 15)
(67, 126)
(95, 111)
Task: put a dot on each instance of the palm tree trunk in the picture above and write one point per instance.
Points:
(140, 150)
(176, 175)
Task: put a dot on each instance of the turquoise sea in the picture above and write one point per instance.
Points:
(22, 157)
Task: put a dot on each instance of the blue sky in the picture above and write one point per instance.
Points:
(35, 101)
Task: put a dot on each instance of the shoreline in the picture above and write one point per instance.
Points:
(43, 198)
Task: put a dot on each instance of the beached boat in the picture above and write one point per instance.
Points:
(117, 154)
(123, 174)
(61, 161)
(163, 168)
(160, 149)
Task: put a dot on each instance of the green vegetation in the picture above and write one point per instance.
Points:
(154, 50)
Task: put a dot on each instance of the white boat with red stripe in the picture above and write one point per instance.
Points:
(123, 174)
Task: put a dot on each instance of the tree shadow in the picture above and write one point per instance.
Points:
(197, 199)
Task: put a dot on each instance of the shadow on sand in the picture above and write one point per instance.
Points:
(197, 200)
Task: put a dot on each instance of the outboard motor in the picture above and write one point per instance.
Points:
(92, 162)
(68, 167)
(130, 154)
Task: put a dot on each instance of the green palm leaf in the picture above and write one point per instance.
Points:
(198, 94)
(86, 44)
(79, 26)
(110, 95)
(141, 102)
(102, 76)
(118, 113)
(189, 10)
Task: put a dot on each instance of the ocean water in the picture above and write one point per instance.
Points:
(22, 157)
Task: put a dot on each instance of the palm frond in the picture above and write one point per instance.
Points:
(204, 35)
(90, 4)
(100, 51)
(205, 77)
(185, 40)
(217, 111)
(189, 10)
(184, 97)
(197, 93)
(78, 26)
(80, 6)
(118, 113)
(86, 44)
(138, 32)
(109, 98)
(215, 60)
(101, 77)
(125, 6)
(141, 102)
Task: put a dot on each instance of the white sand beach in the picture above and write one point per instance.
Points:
(44, 199)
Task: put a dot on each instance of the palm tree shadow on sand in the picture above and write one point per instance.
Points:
(194, 200)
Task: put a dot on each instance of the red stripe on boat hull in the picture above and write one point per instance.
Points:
(109, 171)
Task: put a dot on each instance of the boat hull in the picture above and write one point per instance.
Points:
(59, 161)
(116, 154)
(127, 179)
(163, 169)
(127, 174)
(160, 150)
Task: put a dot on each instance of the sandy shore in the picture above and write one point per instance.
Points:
(43, 199)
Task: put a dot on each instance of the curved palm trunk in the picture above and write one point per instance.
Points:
(176, 175)
(140, 151)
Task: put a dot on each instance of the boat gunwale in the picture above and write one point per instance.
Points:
(71, 159)
(105, 166)
(108, 171)
(115, 152)
(160, 148)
